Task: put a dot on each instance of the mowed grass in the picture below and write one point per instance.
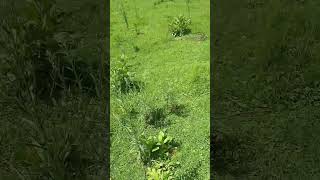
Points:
(266, 106)
(168, 68)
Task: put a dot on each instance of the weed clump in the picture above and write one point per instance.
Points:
(179, 26)
(123, 80)
(156, 117)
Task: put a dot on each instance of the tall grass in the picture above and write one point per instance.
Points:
(52, 122)
(124, 14)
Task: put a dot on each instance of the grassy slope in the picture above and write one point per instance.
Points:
(166, 66)
(281, 143)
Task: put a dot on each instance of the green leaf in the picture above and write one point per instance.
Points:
(160, 136)
(155, 149)
(168, 139)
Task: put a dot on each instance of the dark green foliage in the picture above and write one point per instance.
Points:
(266, 89)
(39, 53)
(52, 142)
(40, 63)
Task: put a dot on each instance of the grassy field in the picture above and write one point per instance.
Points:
(266, 89)
(173, 77)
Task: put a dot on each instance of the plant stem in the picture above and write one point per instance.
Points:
(124, 14)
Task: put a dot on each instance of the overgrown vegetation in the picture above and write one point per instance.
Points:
(52, 117)
(39, 54)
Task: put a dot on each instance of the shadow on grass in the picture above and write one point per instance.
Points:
(178, 110)
(156, 117)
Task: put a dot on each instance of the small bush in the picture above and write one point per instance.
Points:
(156, 147)
(180, 26)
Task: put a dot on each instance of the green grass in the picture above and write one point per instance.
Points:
(266, 106)
(166, 67)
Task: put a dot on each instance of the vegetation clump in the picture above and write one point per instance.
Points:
(123, 79)
(180, 26)
(156, 117)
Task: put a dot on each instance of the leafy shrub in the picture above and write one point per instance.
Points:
(162, 170)
(156, 147)
(180, 26)
(123, 78)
